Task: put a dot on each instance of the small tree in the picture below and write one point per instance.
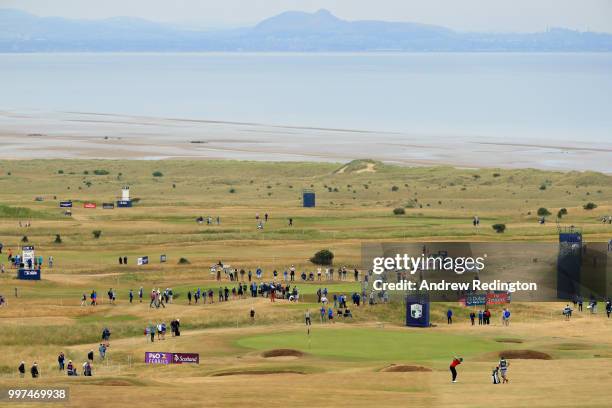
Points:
(183, 261)
(589, 206)
(543, 212)
(58, 239)
(97, 233)
(562, 212)
(323, 257)
(499, 228)
(158, 174)
(399, 211)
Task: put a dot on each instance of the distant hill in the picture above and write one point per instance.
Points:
(289, 31)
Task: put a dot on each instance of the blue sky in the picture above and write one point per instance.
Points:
(467, 15)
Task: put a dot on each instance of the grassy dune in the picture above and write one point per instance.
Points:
(341, 364)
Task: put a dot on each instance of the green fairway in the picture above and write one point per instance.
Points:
(374, 344)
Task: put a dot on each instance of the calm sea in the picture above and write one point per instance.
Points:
(539, 96)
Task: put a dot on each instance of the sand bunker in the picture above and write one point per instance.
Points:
(525, 354)
(282, 353)
(256, 372)
(509, 340)
(403, 368)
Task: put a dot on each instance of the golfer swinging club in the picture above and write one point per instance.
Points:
(456, 361)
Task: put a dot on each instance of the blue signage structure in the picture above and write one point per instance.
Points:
(417, 310)
(308, 198)
(124, 203)
(65, 204)
(28, 274)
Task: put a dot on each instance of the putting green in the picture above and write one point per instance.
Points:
(410, 345)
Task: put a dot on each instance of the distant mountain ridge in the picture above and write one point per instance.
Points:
(293, 31)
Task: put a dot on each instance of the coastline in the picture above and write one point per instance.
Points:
(84, 135)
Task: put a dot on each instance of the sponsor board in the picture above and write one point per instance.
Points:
(89, 205)
(475, 299)
(28, 274)
(108, 206)
(124, 203)
(143, 260)
(65, 204)
(498, 298)
(162, 258)
(157, 357)
(185, 358)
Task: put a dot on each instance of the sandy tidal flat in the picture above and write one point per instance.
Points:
(44, 135)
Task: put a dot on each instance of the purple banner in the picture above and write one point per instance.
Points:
(154, 357)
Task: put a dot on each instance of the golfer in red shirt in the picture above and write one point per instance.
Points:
(453, 369)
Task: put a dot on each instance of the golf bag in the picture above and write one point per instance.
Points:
(495, 376)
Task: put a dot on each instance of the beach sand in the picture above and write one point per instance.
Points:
(83, 135)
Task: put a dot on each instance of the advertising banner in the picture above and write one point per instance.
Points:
(155, 357)
(498, 298)
(476, 299)
(65, 204)
(89, 205)
(185, 358)
(108, 206)
(124, 203)
(143, 260)
(162, 258)
(28, 274)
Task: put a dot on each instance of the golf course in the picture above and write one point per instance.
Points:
(251, 349)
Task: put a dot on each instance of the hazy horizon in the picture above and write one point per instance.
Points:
(466, 15)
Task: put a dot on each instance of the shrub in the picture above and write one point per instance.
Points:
(86, 172)
(399, 211)
(323, 257)
(101, 172)
(24, 239)
(496, 174)
(96, 233)
(543, 187)
(232, 190)
(158, 174)
(562, 212)
(394, 188)
(499, 228)
(542, 212)
(60, 172)
(183, 261)
(58, 239)
(589, 206)
(411, 204)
